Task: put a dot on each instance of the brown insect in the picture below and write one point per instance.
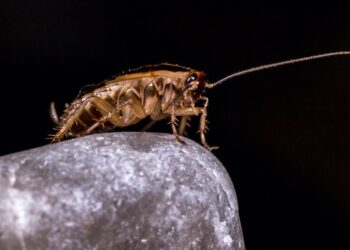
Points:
(158, 91)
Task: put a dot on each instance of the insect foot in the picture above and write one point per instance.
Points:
(118, 191)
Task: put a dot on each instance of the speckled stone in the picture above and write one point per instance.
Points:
(117, 191)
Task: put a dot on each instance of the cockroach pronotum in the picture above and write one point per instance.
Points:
(156, 91)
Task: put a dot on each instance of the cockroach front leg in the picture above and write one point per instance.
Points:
(202, 111)
(203, 124)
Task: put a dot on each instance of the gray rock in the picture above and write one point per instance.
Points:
(117, 191)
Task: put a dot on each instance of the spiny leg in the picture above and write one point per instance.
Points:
(149, 125)
(109, 112)
(203, 124)
(138, 109)
(97, 123)
(71, 120)
(173, 123)
(183, 124)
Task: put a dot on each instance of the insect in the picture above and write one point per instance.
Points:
(156, 91)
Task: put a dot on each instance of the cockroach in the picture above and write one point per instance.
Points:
(156, 91)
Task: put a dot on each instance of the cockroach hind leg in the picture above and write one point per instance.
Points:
(53, 138)
(50, 137)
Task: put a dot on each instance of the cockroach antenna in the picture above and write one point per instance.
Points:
(278, 64)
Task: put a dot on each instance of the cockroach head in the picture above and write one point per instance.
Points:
(194, 85)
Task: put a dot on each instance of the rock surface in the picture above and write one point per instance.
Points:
(117, 191)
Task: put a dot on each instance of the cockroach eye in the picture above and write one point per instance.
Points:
(191, 78)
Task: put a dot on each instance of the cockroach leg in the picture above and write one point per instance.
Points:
(138, 109)
(203, 124)
(66, 127)
(202, 111)
(91, 128)
(183, 124)
(173, 122)
(111, 115)
(102, 105)
(148, 125)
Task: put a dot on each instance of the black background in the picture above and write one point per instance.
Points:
(283, 134)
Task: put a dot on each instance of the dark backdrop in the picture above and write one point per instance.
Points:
(283, 134)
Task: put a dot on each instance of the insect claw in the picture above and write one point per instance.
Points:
(180, 140)
(212, 148)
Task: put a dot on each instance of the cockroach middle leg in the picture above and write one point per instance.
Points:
(149, 125)
(183, 124)
(173, 123)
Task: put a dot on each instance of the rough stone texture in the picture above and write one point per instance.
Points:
(117, 191)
